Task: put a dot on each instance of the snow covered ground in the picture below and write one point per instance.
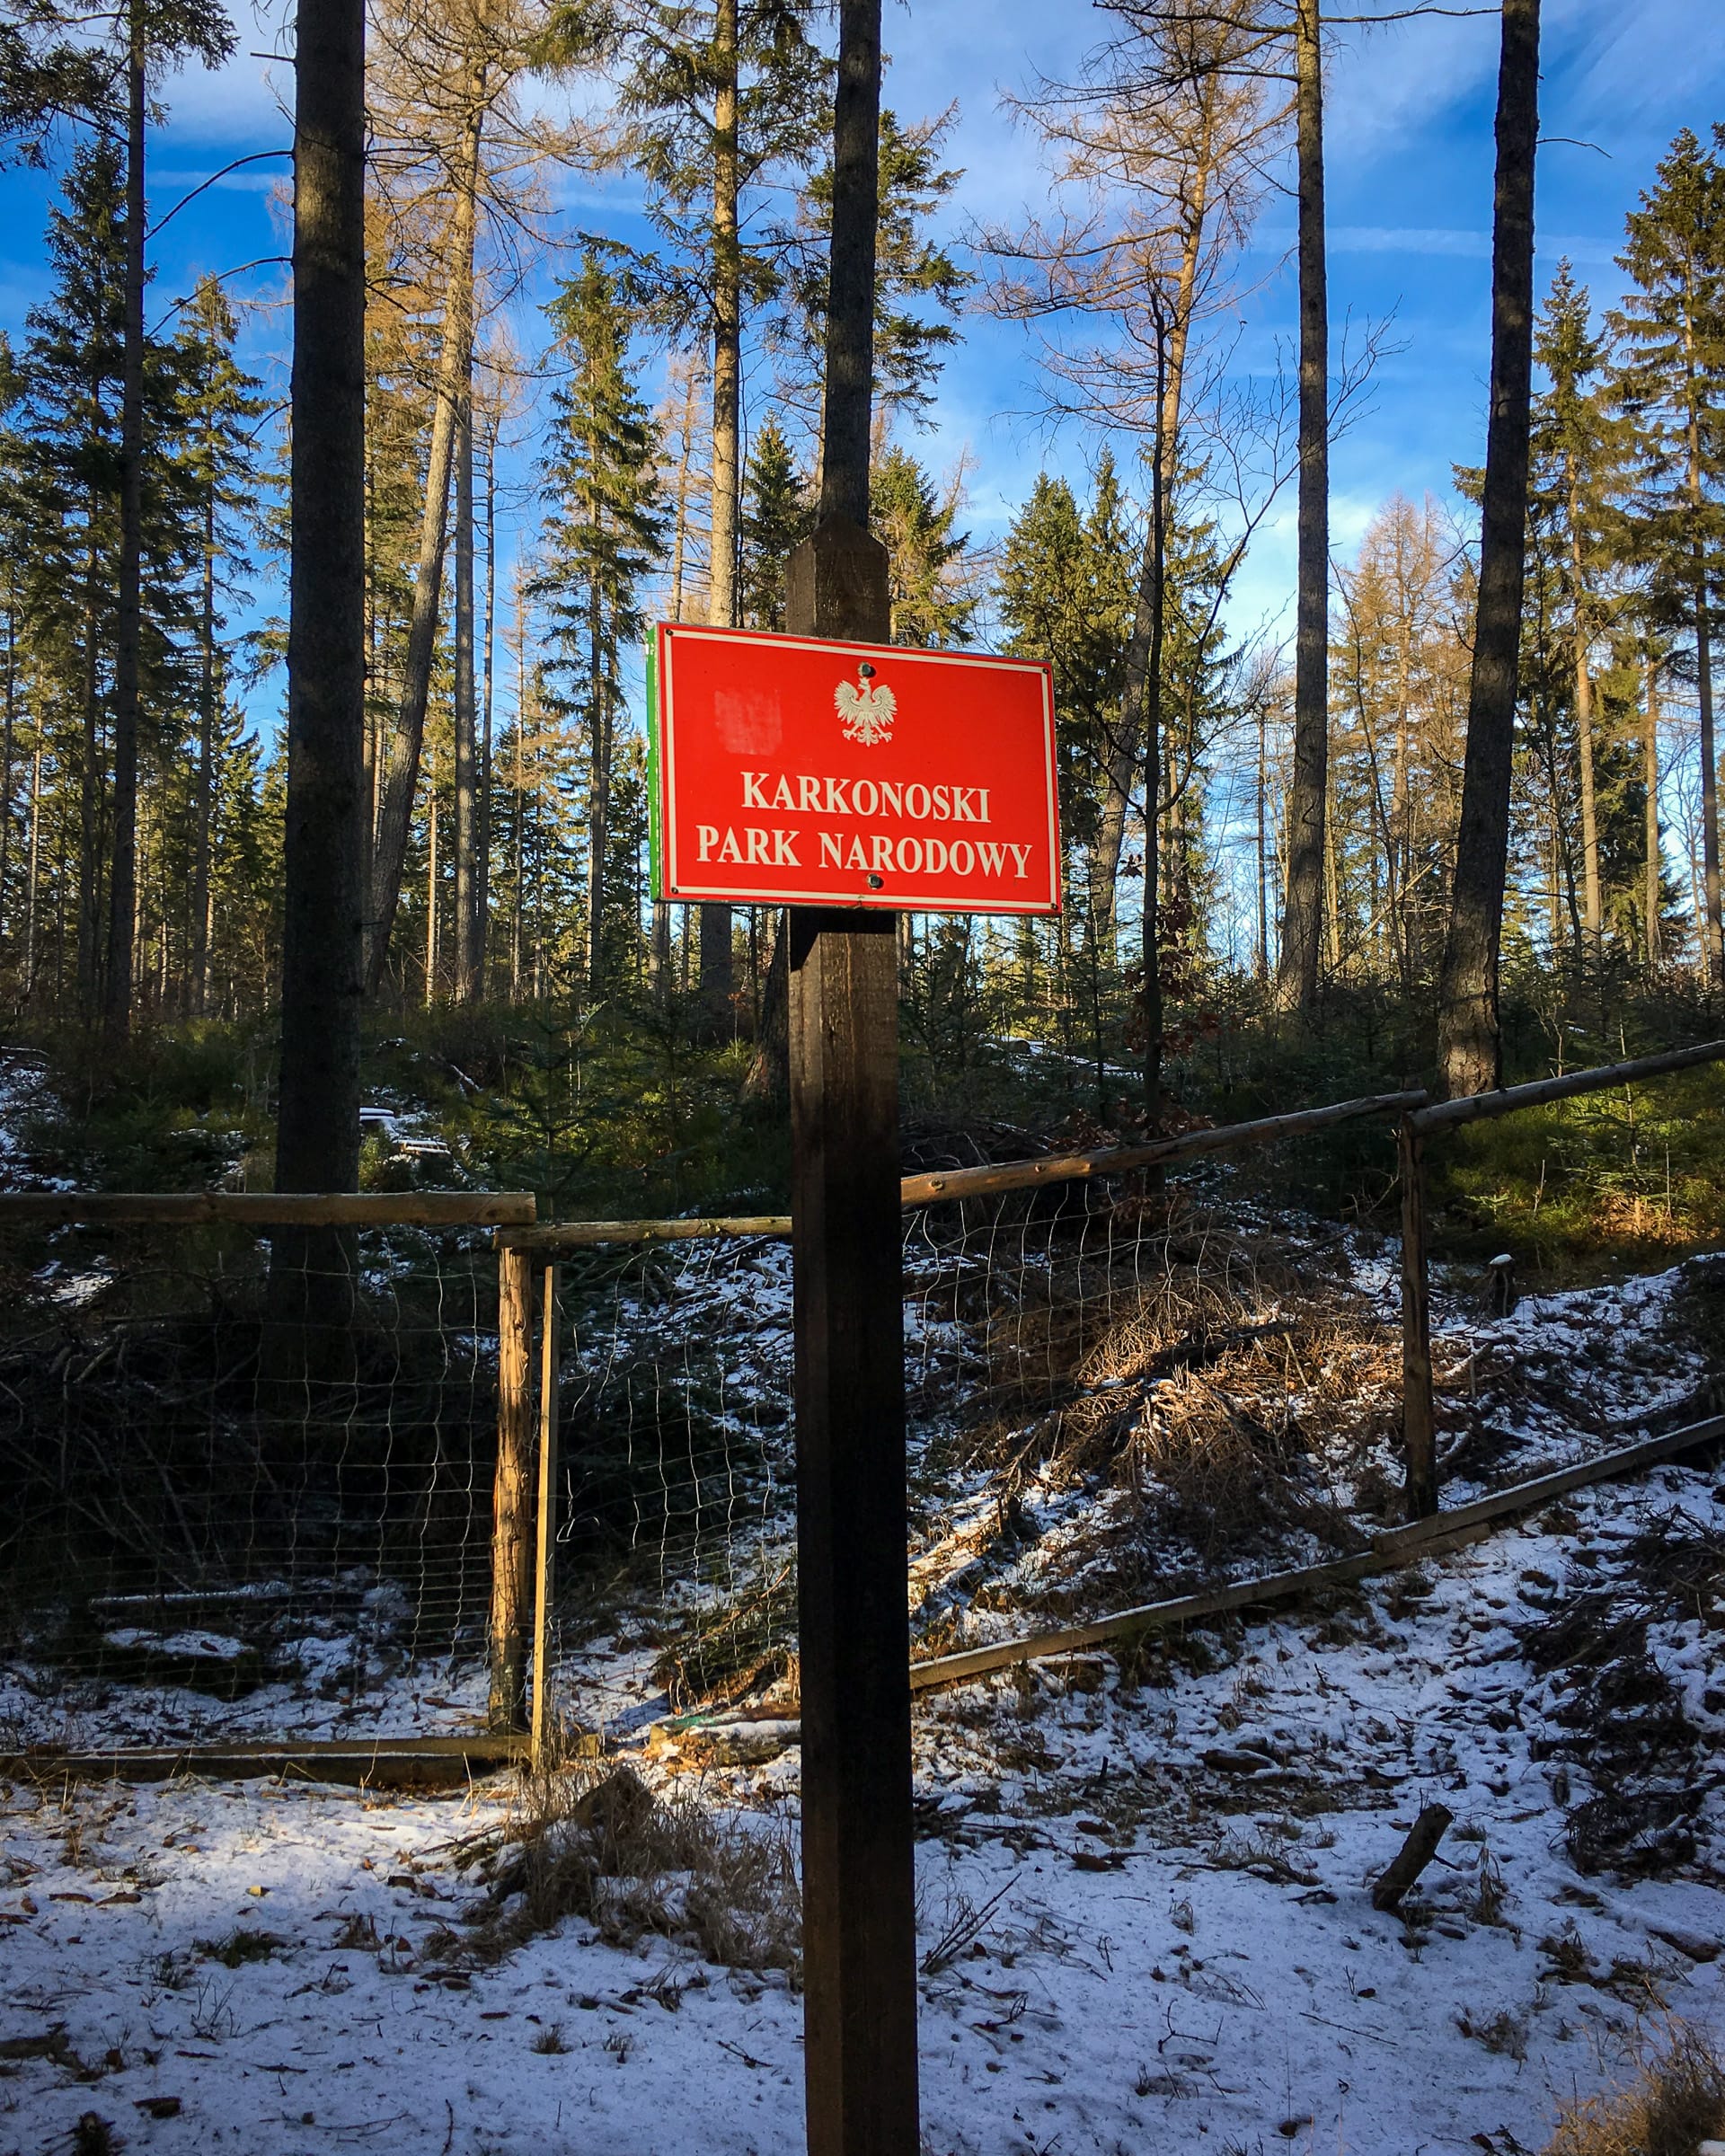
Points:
(1173, 1945)
(1144, 1879)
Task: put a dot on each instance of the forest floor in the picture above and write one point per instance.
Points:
(1143, 1879)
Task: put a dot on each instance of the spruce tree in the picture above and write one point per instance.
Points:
(1671, 379)
(777, 514)
(68, 468)
(152, 36)
(1578, 449)
(931, 602)
(220, 478)
(919, 286)
(602, 533)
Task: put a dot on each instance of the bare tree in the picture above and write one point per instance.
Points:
(456, 147)
(1157, 151)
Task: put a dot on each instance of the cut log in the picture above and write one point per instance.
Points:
(1411, 1859)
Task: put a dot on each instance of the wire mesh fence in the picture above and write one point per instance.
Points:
(1103, 1382)
(258, 1477)
(245, 1477)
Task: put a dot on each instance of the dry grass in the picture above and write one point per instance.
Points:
(602, 1847)
(1223, 1387)
(1676, 2101)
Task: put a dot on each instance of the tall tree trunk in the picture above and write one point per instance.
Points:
(518, 785)
(716, 965)
(317, 1137)
(89, 792)
(661, 966)
(122, 886)
(1303, 915)
(1262, 966)
(1120, 763)
(308, 1340)
(482, 814)
(455, 371)
(432, 867)
(1595, 914)
(466, 715)
(34, 896)
(1712, 932)
(1592, 901)
(6, 769)
(1653, 901)
(1469, 1041)
(1401, 846)
(206, 780)
(599, 785)
(1152, 602)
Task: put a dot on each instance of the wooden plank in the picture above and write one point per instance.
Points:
(1444, 1115)
(1265, 1130)
(511, 1499)
(1387, 1553)
(858, 1847)
(1419, 1408)
(979, 1182)
(270, 1208)
(573, 1235)
(382, 1762)
(1521, 1497)
(544, 1586)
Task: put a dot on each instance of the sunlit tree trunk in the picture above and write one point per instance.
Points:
(1172, 328)
(201, 888)
(122, 885)
(466, 984)
(716, 965)
(1595, 917)
(1653, 903)
(431, 868)
(400, 776)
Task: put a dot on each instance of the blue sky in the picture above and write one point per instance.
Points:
(1410, 198)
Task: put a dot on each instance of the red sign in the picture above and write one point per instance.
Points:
(793, 770)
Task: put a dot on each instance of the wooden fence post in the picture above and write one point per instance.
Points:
(545, 1584)
(511, 1502)
(1419, 1414)
(858, 1861)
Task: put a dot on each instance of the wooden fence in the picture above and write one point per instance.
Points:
(1417, 1116)
(523, 1505)
(385, 1757)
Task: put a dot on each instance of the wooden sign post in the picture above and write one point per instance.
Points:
(846, 784)
(858, 1856)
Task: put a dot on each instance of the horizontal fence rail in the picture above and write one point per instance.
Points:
(270, 1208)
(1121, 1160)
(578, 1235)
(1388, 1552)
(1469, 1108)
(951, 1184)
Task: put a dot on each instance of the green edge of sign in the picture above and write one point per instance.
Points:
(655, 837)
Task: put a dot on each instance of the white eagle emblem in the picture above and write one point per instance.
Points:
(867, 711)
